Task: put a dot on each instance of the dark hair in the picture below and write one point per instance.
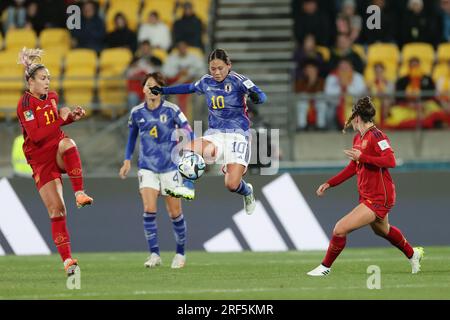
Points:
(219, 54)
(363, 108)
(158, 76)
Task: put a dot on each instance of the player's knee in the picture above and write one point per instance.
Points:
(57, 210)
(339, 230)
(231, 185)
(66, 143)
(149, 208)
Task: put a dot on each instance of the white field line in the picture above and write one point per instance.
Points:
(79, 293)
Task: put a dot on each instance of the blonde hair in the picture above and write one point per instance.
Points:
(31, 60)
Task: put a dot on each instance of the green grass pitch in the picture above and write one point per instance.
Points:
(246, 275)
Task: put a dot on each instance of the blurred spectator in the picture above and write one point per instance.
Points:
(311, 21)
(53, 13)
(92, 33)
(122, 36)
(344, 86)
(33, 19)
(416, 103)
(387, 31)
(135, 74)
(382, 91)
(183, 66)
(309, 108)
(155, 31)
(145, 52)
(443, 88)
(305, 52)
(445, 13)
(417, 26)
(348, 12)
(343, 50)
(188, 28)
(16, 14)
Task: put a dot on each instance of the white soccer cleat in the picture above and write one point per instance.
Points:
(249, 201)
(416, 258)
(178, 261)
(181, 192)
(153, 261)
(320, 271)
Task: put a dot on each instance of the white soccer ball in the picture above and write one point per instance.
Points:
(191, 166)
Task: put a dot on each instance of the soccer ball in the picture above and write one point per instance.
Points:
(191, 165)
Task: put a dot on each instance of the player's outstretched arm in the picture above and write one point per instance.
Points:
(178, 89)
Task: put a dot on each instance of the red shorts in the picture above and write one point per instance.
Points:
(45, 169)
(380, 210)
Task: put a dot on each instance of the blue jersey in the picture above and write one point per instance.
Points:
(156, 128)
(226, 101)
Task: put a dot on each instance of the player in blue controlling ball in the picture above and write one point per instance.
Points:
(227, 141)
(154, 121)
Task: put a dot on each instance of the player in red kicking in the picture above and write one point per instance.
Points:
(370, 158)
(49, 151)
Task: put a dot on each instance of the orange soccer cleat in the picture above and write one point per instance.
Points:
(71, 266)
(83, 199)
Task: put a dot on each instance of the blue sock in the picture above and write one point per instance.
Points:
(243, 189)
(179, 230)
(151, 231)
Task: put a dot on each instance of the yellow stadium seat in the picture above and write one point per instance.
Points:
(325, 52)
(423, 51)
(130, 11)
(390, 71)
(161, 54)
(440, 70)
(8, 104)
(443, 52)
(55, 39)
(383, 52)
(1, 41)
(124, 3)
(163, 7)
(16, 39)
(79, 82)
(197, 51)
(359, 49)
(112, 85)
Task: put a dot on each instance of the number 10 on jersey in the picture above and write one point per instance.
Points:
(218, 102)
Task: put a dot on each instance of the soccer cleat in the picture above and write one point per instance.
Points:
(153, 261)
(416, 258)
(181, 192)
(71, 266)
(320, 271)
(249, 201)
(83, 199)
(178, 261)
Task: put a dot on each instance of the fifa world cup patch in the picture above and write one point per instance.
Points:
(28, 115)
(248, 84)
(383, 145)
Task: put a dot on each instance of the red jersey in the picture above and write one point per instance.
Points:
(40, 122)
(375, 183)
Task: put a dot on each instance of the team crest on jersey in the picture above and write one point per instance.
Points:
(228, 87)
(28, 115)
(163, 118)
(364, 144)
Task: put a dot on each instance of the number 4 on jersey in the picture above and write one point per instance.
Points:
(154, 132)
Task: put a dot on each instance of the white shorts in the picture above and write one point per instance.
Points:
(231, 148)
(159, 181)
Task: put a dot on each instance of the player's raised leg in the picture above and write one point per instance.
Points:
(149, 198)
(396, 238)
(173, 206)
(357, 218)
(52, 196)
(235, 183)
(68, 159)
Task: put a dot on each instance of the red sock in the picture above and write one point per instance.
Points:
(337, 244)
(72, 162)
(61, 237)
(396, 238)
